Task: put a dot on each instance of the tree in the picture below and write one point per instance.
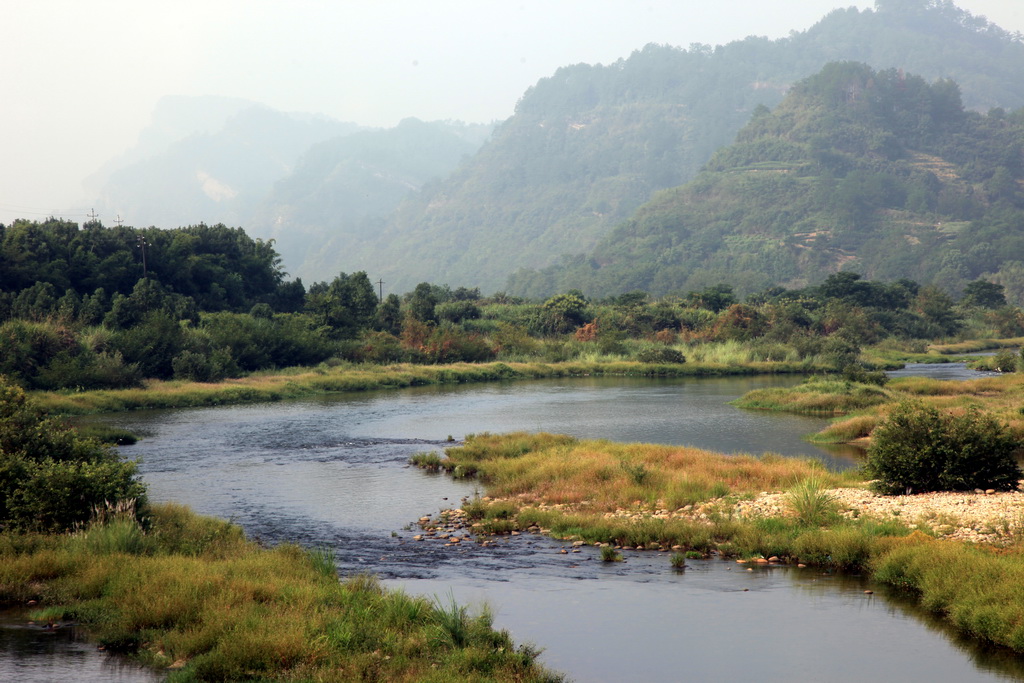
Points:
(563, 313)
(422, 302)
(716, 298)
(389, 315)
(346, 306)
(983, 295)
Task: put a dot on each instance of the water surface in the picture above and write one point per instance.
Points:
(333, 472)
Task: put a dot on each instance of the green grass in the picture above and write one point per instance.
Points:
(818, 396)
(192, 590)
(811, 502)
(976, 345)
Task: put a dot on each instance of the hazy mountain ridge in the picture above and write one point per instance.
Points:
(590, 144)
(585, 148)
(876, 172)
(211, 175)
(341, 189)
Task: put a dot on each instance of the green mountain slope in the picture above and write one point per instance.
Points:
(875, 172)
(590, 144)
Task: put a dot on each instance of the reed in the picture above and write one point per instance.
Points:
(811, 502)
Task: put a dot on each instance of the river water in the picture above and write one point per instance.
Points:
(333, 472)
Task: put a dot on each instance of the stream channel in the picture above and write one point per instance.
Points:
(333, 472)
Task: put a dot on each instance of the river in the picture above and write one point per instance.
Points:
(333, 472)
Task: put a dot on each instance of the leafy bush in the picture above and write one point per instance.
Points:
(51, 478)
(662, 355)
(200, 367)
(855, 372)
(1005, 361)
(919, 449)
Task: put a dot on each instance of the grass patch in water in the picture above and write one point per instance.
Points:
(977, 589)
(976, 345)
(816, 395)
(607, 476)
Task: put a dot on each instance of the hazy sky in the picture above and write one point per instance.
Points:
(79, 79)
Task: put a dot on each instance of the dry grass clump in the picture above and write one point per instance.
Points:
(848, 429)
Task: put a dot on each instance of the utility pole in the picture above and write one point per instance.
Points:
(380, 284)
(92, 215)
(142, 246)
(119, 220)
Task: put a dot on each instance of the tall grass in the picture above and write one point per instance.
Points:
(227, 609)
(812, 503)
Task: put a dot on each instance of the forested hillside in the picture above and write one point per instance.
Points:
(875, 172)
(590, 144)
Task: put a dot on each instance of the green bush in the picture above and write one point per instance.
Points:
(918, 449)
(662, 355)
(51, 478)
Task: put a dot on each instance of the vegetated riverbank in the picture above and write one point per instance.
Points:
(303, 382)
(191, 595)
(860, 407)
(692, 502)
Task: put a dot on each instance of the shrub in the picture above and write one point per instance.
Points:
(51, 478)
(919, 449)
(855, 372)
(665, 355)
(1005, 361)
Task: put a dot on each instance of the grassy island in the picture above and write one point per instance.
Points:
(859, 407)
(766, 509)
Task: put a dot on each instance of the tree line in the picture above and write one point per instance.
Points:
(223, 314)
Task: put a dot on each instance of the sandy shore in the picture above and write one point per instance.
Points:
(975, 517)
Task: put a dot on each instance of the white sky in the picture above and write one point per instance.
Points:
(79, 78)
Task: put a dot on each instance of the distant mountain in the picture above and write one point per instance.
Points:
(591, 143)
(207, 160)
(876, 172)
(342, 189)
(318, 187)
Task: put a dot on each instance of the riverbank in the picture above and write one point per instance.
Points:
(192, 596)
(304, 382)
(665, 498)
(860, 407)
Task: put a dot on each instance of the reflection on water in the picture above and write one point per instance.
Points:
(31, 653)
(332, 472)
